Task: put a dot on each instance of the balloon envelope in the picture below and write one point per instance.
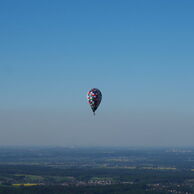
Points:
(94, 97)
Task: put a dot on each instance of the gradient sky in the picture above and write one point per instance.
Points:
(139, 53)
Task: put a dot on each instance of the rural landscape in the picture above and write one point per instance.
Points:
(96, 170)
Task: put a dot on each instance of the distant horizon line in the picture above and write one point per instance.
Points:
(97, 147)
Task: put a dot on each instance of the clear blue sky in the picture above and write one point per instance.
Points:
(139, 53)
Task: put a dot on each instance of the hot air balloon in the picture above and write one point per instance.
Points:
(94, 97)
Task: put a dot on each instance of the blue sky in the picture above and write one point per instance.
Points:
(139, 53)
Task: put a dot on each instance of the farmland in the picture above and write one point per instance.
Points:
(74, 170)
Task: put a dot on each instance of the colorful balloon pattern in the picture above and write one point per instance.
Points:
(94, 97)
